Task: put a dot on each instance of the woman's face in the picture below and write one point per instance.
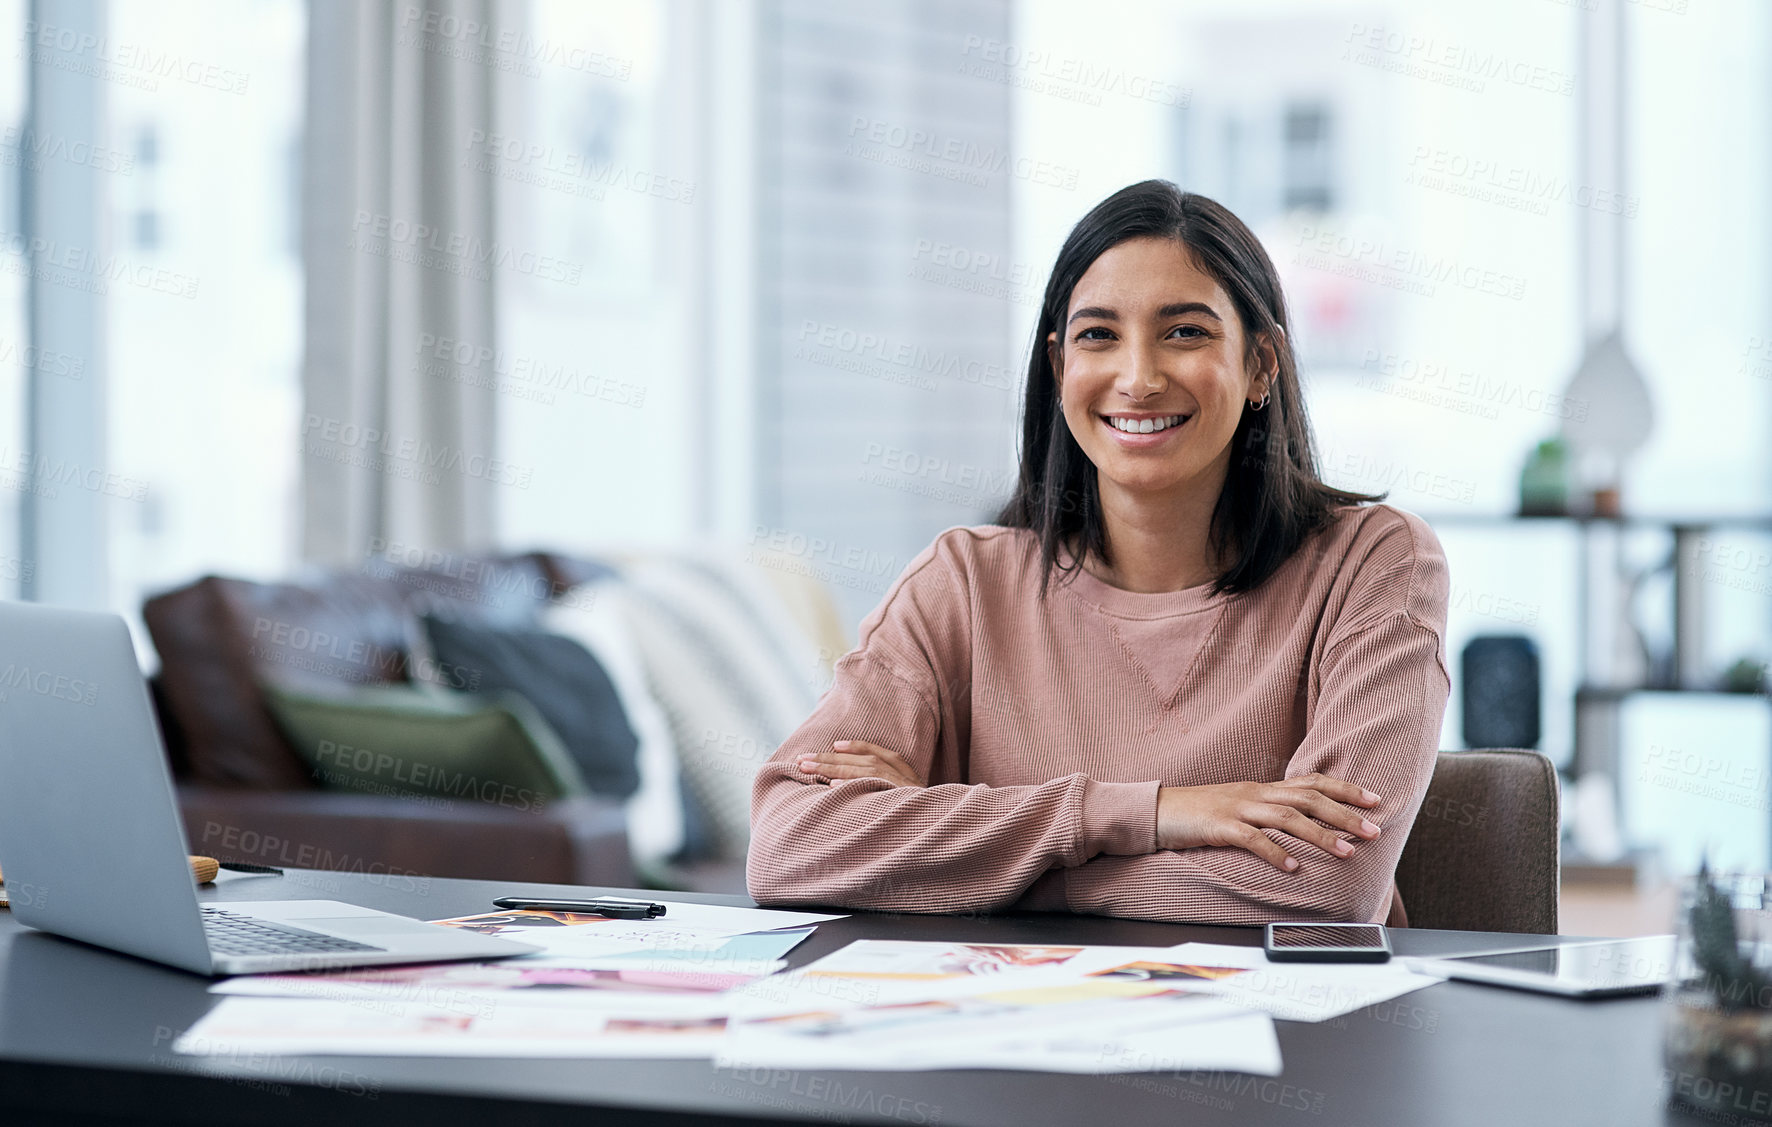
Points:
(1153, 377)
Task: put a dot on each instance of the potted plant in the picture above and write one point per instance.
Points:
(1719, 1026)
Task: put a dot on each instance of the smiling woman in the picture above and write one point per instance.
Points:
(1226, 707)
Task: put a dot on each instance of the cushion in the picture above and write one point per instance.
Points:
(659, 815)
(732, 672)
(411, 740)
(564, 682)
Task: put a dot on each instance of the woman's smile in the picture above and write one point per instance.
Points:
(1143, 432)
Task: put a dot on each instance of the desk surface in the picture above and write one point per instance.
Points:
(85, 1036)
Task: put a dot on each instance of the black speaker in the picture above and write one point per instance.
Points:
(1499, 681)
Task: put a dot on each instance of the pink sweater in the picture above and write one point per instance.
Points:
(1044, 731)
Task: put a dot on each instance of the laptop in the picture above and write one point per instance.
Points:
(91, 843)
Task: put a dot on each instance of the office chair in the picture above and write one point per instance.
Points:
(1483, 854)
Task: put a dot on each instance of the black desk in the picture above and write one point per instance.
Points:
(85, 1038)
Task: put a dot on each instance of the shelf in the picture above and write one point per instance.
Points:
(1602, 693)
(1644, 520)
(1633, 870)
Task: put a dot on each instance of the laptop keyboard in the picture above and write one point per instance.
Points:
(233, 934)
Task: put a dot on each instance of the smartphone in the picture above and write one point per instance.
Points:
(1327, 943)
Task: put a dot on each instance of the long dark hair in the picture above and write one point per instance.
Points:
(1272, 497)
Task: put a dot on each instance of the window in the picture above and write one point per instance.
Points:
(596, 372)
(146, 226)
(17, 357)
(1308, 160)
(204, 399)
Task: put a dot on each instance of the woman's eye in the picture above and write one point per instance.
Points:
(1187, 331)
(1096, 333)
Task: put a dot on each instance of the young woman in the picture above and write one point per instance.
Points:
(1180, 679)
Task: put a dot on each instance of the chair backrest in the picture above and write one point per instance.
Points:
(1483, 854)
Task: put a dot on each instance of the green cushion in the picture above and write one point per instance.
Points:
(408, 740)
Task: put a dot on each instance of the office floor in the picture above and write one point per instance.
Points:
(1587, 909)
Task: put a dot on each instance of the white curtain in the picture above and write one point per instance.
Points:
(398, 242)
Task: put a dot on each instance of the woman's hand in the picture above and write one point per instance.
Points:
(859, 759)
(1235, 814)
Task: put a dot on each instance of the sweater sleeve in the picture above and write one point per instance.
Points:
(949, 846)
(1381, 690)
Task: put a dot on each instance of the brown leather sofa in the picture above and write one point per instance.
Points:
(246, 794)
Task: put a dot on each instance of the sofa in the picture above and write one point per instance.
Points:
(732, 648)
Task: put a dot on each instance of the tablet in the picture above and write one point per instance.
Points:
(1579, 970)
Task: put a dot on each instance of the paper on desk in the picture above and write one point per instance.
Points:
(1100, 1026)
(896, 1005)
(574, 936)
(748, 948)
(686, 919)
(655, 978)
(872, 972)
(912, 960)
(535, 980)
(1243, 975)
(291, 1026)
(733, 921)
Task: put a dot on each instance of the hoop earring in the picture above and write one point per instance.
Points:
(1258, 406)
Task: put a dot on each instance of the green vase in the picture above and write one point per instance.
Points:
(1544, 482)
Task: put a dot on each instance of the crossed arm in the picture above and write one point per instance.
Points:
(1225, 814)
(856, 825)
